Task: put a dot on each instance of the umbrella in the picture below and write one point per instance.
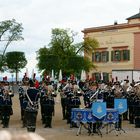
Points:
(60, 75)
(83, 75)
(27, 73)
(32, 76)
(52, 75)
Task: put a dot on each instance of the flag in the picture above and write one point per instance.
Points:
(99, 109)
(120, 105)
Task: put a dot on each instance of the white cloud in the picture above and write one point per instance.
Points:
(38, 17)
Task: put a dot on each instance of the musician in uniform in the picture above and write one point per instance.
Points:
(97, 97)
(137, 105)
(32, 95)
(7, 105)
(75, 100)
(118, 94)
(131, 102)
(48, 106)
(23, 101)
(63, 100)
(1, 98)
(43, 91)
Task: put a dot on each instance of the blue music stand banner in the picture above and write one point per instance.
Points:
(99, 109)
(120, 105)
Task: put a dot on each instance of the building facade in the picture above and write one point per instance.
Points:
(119, 47)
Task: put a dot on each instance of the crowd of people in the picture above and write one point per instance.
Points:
(34, 96)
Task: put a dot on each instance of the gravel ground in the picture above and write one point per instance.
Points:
(61, 130)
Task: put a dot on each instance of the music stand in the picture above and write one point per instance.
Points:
(121, 106)
(111, 118)
(81, 116)
(98, 111)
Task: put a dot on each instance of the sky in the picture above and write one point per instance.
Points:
(39, 17)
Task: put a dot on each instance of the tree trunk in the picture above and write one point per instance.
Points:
(16, 76)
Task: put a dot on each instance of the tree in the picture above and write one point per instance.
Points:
(10, 31)
(15, 61)
(65, 54)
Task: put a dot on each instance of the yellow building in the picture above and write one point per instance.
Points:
(119, 47)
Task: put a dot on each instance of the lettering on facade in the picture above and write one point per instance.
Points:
(111, 41)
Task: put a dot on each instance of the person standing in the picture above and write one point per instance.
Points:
(48, 106)
(23, 101)
(32, 95)
(6, 105)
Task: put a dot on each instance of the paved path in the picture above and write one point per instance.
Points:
(62, 131)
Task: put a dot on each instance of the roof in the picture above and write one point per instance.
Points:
(134, 16)
(110, 27)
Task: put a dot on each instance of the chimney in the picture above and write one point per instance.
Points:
(115, 22)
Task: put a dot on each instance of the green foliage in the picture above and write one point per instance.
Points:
(10, 31)
(61, 42)
(64, 54)
(16, 60)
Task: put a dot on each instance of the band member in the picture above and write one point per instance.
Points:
(74, 103)
(117, 90)
(43, 91)
(137, 105)
(23, 101)
(131, 102)
(1, 98)
(48, 106)
(63, 100)
(32, 95)
(6, 106)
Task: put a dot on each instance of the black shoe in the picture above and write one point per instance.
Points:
(23, 126)
(46, 126)
(68, 122)
(94, 131)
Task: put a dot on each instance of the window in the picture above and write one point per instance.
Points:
(104, 56)
(125, 55)
(105, 77)
(117, 55)
(97, 76)
(97, 57)
(120, 55)
(100, 56)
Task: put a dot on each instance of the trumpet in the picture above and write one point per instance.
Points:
(93, 98)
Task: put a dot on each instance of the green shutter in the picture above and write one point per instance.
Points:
(128, 53)
(106, 77)
(119, 55)
(107, 56)
(112, 55)
(93, 57)
(100, 57)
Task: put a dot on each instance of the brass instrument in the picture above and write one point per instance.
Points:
(93, 98)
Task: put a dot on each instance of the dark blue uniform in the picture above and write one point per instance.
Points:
(6, 109)
(43, 92)
(23, 103)
(1, 101)
(48, 109)
(31, 110)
